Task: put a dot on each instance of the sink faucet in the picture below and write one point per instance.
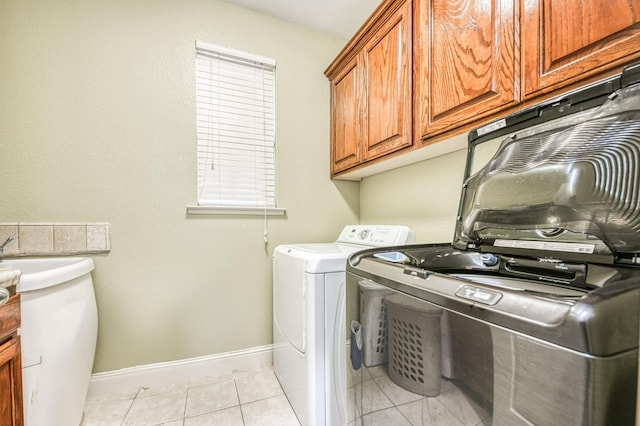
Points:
(7, 241)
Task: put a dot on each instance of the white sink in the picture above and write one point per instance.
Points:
(41, 272)
(59, 330)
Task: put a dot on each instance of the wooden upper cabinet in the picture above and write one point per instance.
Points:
(371, 102)
(345, 117)
(421, 71)
(387, 86)
(565, 41)
(467, 62)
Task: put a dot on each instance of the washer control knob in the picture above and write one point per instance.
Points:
(363, 234)
(489, 259)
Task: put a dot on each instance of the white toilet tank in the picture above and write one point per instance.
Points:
(58, 332)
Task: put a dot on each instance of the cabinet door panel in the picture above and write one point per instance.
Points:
(11, 383)
(469, 64)
(6, 402)
(568, 40)
(345, 119)
(387, 107)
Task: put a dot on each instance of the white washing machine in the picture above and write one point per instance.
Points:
(309, 328)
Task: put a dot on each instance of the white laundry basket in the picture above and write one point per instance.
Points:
(373, 317)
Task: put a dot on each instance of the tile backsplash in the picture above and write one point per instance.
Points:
(47, 239)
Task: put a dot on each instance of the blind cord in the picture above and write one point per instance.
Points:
(265, 233)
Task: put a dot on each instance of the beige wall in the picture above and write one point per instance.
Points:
(97, 124)
(423, 196)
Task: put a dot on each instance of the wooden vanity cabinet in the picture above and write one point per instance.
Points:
(567, 41)
(11, 413)
(371, 91)
(467, 62)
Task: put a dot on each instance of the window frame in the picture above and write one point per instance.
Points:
(213, 69)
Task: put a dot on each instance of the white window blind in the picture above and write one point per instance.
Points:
(235, 102)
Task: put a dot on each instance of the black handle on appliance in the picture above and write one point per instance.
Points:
(545, 270)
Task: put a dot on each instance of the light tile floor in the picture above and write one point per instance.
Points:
(254, 397)
(244, 398)
(381, 402)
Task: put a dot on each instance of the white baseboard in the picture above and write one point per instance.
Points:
(166, 373)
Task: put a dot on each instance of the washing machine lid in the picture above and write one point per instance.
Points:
(559, 180)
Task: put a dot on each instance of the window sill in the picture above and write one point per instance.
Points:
(236, 211)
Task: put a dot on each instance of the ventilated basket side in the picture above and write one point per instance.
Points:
(414, 344)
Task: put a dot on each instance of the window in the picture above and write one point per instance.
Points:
(235, 106)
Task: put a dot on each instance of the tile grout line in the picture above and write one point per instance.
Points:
(394, 405)
(186, 399)
(235, 386)
(130, 405)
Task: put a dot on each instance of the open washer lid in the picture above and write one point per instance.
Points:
(560, 180)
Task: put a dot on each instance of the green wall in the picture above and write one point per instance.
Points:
(97, 124)
(424, 196)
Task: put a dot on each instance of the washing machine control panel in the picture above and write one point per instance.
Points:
(376, 235)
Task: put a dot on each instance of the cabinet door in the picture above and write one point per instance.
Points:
(11, 383)
(345, 118)
(565, 41)
(467, 62)
(387, 95)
